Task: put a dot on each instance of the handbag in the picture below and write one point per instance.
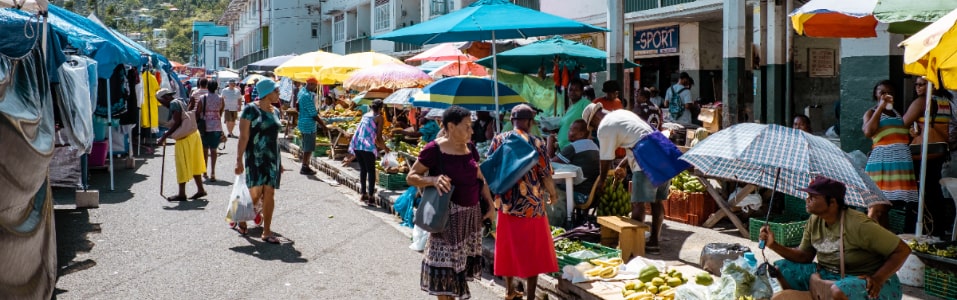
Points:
(187, 124)
(658, 158)
(514, 158)
(821, 289)
(432, 215)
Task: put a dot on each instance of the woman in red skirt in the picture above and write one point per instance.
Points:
(523, 240)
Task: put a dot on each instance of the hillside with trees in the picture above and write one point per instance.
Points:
(138, 18)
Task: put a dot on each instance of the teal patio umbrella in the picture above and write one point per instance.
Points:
(529, 58)
(487, 20)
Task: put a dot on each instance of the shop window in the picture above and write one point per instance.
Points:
(383, 15)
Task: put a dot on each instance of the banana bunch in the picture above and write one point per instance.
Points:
(607, 268)
(615, 201)
(640, 296)
(663, 286)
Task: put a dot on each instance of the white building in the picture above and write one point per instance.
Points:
(213, 53)
(159, 38)
(260, 29)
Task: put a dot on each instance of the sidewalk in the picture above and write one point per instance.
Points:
(687, 239)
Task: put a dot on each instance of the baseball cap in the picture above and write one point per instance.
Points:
(163, 92)
(265, 86)
(610, 86)
(523, 111)
(232, 81)
(589, 113)
(826, 187)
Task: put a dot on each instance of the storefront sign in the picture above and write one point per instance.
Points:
(821, 62)
(662, 40)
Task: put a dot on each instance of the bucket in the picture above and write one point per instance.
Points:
(98, 154)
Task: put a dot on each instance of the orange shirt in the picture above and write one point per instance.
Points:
(610, 105)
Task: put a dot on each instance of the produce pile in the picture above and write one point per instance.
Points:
(615, 201)
(604, 268)
(407, 148)
(949, 252)
(651, 284)
(685, 182)
(339, 112)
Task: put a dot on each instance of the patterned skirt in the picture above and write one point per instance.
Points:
(454, 257)
(891, 168)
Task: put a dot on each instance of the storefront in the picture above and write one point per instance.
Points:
(656, 50)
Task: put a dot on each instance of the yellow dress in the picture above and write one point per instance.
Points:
(149, 111)
(189, 158)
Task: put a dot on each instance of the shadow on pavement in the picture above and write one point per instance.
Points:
(671, 240)
(198, 204)
(72, 236)
(285, 251)
(123, 181)
(218, 182)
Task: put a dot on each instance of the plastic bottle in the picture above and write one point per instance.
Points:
(752, 262)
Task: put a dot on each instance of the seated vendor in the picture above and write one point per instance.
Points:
(581, 152)
(872, 255)
(430, 127)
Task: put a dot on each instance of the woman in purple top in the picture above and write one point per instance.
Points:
(210, 109)
(454, 256)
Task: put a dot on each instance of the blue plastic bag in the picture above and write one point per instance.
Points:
(403, 206)
(509, 163)
(658, 158)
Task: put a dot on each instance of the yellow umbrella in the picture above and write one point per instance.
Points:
(304, 67)
(341, 68)
(932, 49)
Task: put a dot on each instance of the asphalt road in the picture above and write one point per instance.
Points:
(139, 246)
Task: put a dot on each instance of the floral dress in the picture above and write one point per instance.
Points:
(262, 161)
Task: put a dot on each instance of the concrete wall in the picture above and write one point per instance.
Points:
(822, 91)
(580, 10)
(291, 28)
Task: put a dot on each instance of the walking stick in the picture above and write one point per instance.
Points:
(163, 170)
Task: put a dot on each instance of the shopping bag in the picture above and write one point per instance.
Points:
(390, 160)
(403, 206)
(419, 238)
(509, 163)
(240, 207)
(658, 158)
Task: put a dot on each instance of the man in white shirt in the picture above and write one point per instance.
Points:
(623, 129)
(678, 99)
(231, 97)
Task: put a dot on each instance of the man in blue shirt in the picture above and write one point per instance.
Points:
(308, 119)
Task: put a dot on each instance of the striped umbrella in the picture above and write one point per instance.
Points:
(472, 93)
(753, 153)
(401, 97)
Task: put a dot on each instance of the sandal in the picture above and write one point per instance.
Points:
(514, 295)
(176, 198)
(272, 239)
(242, 229)
(198, 195)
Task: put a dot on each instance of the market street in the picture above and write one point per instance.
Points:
(139, 246)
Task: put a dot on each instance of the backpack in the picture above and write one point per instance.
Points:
(675, 107)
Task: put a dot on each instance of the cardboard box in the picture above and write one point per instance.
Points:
(710, 119)
(87, 199)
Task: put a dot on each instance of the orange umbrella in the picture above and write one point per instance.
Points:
(460, 68)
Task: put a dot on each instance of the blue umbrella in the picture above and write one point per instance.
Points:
(488, 20)
(474, 93)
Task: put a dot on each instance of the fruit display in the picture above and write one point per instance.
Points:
(604, 268)
(653, 285)
(569, 246)
(615, 200)
(950, 251)
(685, 182)
(407, 148)
(339, 112)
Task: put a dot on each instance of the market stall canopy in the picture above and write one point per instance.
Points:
(391, 76)
(401, 97)
(176, 64)
(487, 20)
(541, 54)
(304, 66)
(157, 59)
(28, 5)
(340, 69)
(909, 17)
(754, 153)
(430, 66)
(460, 68)
(93, 40)
(930, 52)
(859, 19)
(269, 64)
(366, 97)
(254, 77)
(470, 92)
(442, 52)
(224, 75)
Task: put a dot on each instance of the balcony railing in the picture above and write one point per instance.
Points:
(402, 47)
(532, 4)
(358, 45)
(639, 5)
(250, 58)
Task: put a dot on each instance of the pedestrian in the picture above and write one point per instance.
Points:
(871, 255)
(655, 97)
(941, 210)
(802, 123)
(189, 150)
(308, 120)
(679, 101)
(589, 92)
(453, 257)
(365, 145)
(890, 164)
(623, 129)
(610, 101)
(258, 154)
(523, 240)
(210, 110)
(232, 98)
(253, 92)
(647, 110)
(200, 91)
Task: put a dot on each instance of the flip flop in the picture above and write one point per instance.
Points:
(272, 239)
(515, 295)
(242, 229)
(176, 198)
(198, 195)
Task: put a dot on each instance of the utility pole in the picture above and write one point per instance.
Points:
(616, 45)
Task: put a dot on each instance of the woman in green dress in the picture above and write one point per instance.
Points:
(259, 146)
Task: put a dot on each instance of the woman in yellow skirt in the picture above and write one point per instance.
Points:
(189, 150)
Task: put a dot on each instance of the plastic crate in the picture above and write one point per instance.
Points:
(896, 220)
(796, 207)
(392, 181)
(603, 253)
(940, 283)
(321, 150)
(689, 208)
(787, 230)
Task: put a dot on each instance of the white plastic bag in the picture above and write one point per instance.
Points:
(240, 208)
(419, 238)
(390, 160)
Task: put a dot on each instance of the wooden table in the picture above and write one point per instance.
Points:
(725, 205)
